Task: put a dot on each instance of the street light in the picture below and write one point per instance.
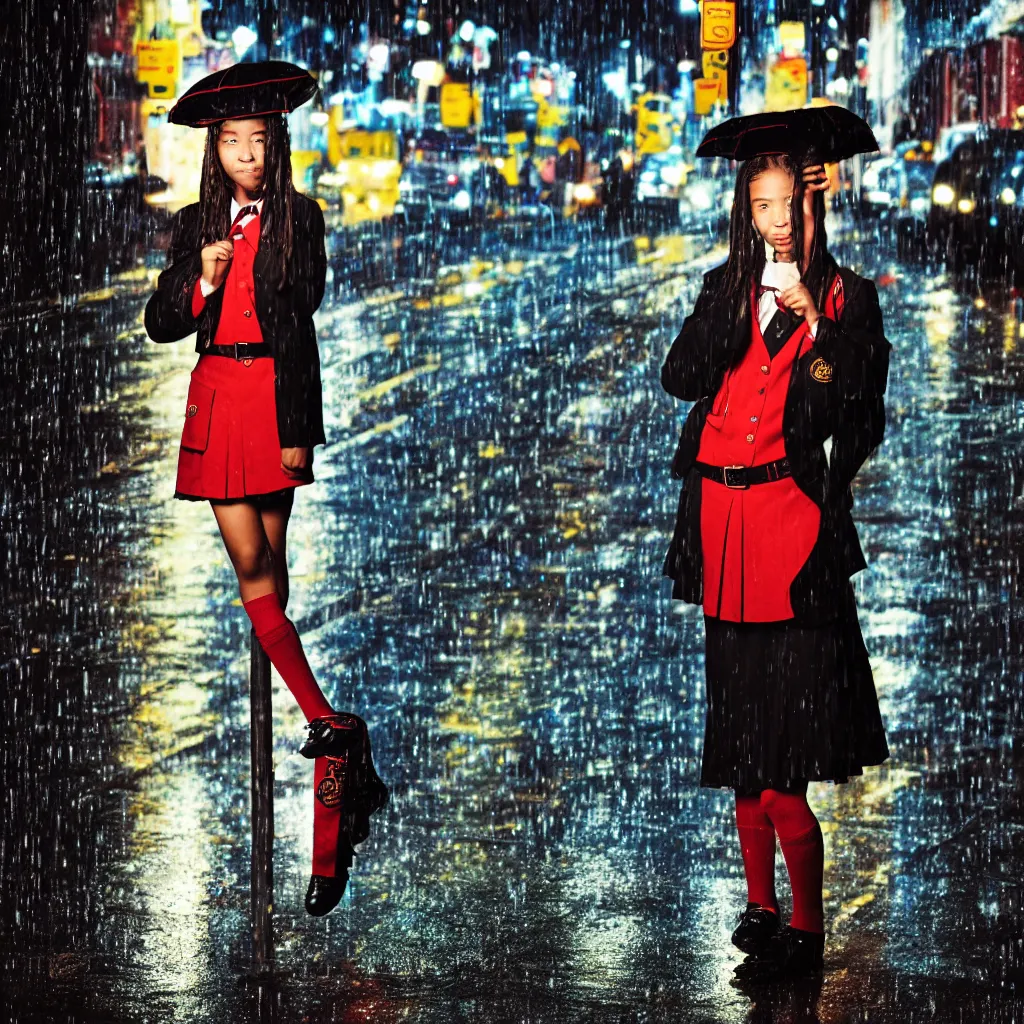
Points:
(243, 37)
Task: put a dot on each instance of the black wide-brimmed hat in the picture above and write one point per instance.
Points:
(244, 90)
(811, 134)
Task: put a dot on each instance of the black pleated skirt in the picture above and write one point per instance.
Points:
(787, 702)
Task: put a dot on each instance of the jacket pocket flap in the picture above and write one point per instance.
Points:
(198, 410)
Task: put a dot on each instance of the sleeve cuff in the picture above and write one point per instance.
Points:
(198, 298)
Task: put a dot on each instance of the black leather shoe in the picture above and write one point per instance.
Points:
(324, 892)
(332, 735)
(790, 953)
(757, 926)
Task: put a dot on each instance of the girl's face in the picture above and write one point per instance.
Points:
(241, 146)
(771, 201)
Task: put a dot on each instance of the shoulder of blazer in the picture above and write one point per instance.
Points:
(189, 214)
(715, 274)
(855, 287)
(306, 209)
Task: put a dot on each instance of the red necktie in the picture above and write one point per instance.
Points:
(243, 212)
(761, 289)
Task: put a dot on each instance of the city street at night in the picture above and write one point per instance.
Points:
(477, 571)
(533, 315)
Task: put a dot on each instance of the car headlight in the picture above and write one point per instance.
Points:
(584, 193)
(672, 174)
(965, 205)
(461, 200)
(1008, 196)
(919, 204)
(943, 195)
(699, 197)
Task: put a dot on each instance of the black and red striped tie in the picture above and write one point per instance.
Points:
(243, 212)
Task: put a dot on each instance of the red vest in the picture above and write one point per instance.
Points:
(238, 310)
(755, 541)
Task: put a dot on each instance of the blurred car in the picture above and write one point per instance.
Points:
(1006, 258)
(661, 181)
(951, 137)
(437, 179)
(960, 219)
(877, 185)
(895, 197)
(910, 219)
(427, 191)
(960, 224)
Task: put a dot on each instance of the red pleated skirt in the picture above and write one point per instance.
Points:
(229, 442)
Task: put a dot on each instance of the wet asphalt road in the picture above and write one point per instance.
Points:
(477, 572)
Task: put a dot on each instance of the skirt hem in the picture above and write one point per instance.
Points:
(281, 492)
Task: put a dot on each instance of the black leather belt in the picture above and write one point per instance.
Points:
(741, 477)
(240, 350)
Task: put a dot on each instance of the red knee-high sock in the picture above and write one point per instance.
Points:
(278, 638)
(802, 846)
(328, 789)
(757, 842)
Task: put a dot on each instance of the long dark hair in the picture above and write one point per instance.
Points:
(216, 190)
(746, 246)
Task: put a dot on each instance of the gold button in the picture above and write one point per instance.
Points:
(248, 312)
(193, 409)
(247, 362)
(764, 369)
(750, 438)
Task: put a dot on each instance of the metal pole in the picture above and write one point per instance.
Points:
(262, 788)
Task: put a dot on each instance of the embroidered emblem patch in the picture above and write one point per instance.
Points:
(821, 371)
(329, 791)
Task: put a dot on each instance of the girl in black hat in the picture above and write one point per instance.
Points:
(785, 358)
(246, 271)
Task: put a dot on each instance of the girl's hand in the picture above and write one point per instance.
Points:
(217, 258)
(815, 180)
(296, 461)
(799, 300)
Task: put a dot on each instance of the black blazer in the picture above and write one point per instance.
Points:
(848, 407)
(285, 317)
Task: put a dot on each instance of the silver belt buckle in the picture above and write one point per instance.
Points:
(725, 478)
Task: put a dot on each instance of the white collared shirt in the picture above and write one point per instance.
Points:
(235, 207)
(776, 275)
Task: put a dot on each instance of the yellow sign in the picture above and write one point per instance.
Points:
(551, 115)
(457, 106)
(706, 93)
(717, 24)
(716, 69)
(714, 60)
(159, 65)
(792, 38)
(655, 123)
(787, 84)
